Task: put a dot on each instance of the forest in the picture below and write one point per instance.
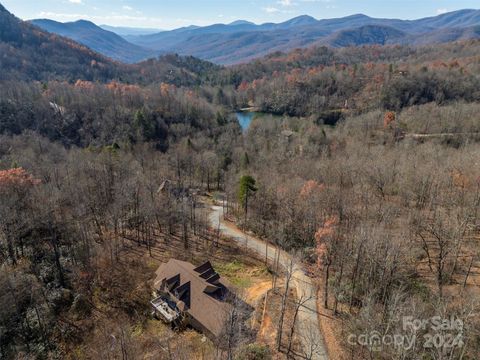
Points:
(365, 164)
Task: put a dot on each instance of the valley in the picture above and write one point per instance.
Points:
(300, 189)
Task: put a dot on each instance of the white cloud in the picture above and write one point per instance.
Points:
(112, 17)
(126, 7)
(271, 10)
(441, 11)
(116, 19)
(75, 1)
(290, 3)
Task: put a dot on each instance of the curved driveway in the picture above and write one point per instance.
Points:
(307, 323)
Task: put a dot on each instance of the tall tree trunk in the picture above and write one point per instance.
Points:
(292, 329)
(56, 250)
(284, 306)
(325, 286)
(337, 286)
(11, 251)
(468, 272)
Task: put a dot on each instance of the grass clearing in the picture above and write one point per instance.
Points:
(235, 272)
(239, 273)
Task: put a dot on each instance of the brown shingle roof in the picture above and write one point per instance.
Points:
(199, 289)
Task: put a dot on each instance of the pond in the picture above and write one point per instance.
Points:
(245, 118)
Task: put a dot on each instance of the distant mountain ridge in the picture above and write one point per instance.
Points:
(126, 31)
(241, 41)
(105, 42)
(29, 53)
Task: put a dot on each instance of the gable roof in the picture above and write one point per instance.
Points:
(199, 291)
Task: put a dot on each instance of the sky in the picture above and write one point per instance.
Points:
(169, 14)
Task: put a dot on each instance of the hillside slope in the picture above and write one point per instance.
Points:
(105, 42)
(32, 54)
(365, 35)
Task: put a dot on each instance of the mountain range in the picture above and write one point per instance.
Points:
(242, 41)
(126, 31)
(98, 39)
(29, 53)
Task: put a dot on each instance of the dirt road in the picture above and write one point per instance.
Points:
(308, 324)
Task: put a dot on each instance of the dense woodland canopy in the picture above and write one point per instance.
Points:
(371, 170)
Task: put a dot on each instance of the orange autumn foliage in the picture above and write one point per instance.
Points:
(122, 89)
(389, 119)
(17, 177)
(454, 64)
(83, 84)
(166, 89)
(321, 235)
(294, 76)
(310, 187)
(243, 86)
(257, 83)
(460, 180)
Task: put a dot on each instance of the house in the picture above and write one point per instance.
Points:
(192, 295)
(169, 188)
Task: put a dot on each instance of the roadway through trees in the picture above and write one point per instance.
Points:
(308, 323)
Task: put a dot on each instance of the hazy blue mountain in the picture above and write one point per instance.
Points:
(242, 40)
(445, 35)
(365, 35)
(456, 19)
(303, 20)
(97, 39)
(127, 31)
(241, 22)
